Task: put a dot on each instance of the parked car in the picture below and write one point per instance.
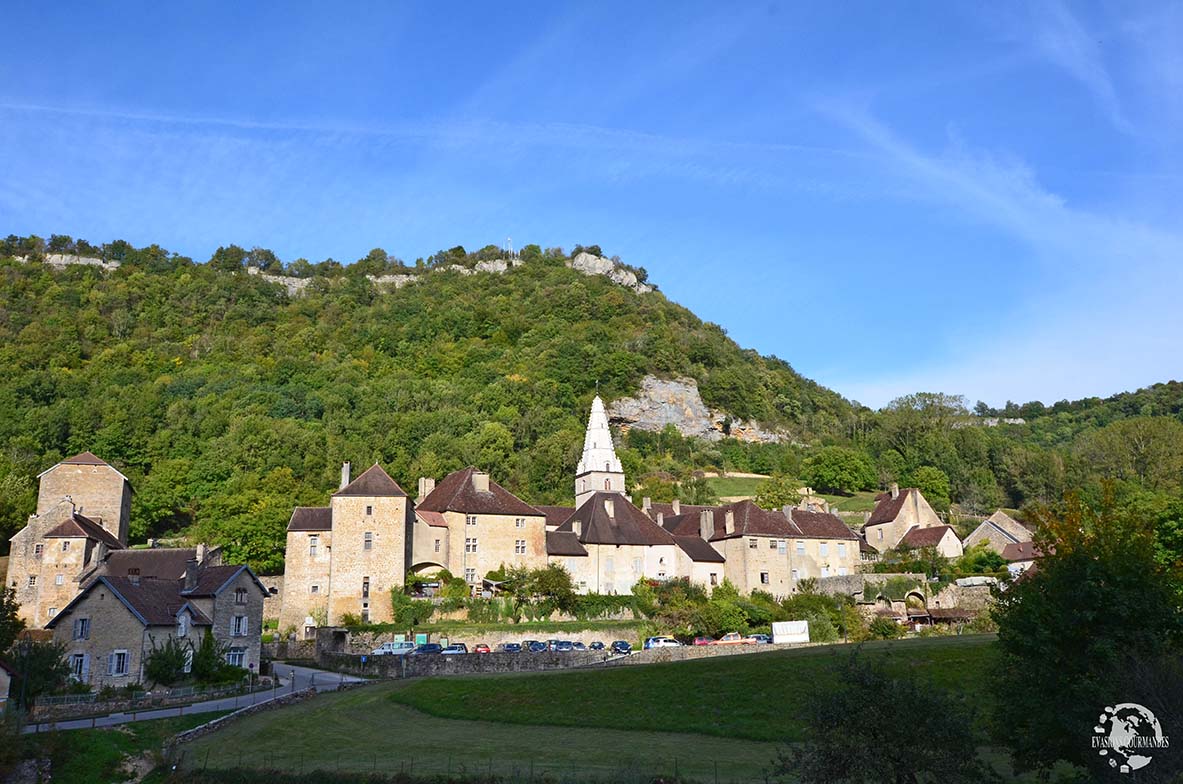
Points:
(703, 640)
(426, 648)
(538, 647)
(734, 638)
(563, 646)
(552, 645)
(762, 639)
(455, 648)
(579, 646)
(482, 648)
(662, 642)
(398, 647)
(527, 645)
(622, 647)
(596, 646)
(510, 647)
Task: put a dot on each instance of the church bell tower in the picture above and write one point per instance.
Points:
(599, 468)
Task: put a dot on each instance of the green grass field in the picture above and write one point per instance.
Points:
(731, 487)
(753, 696)
(727, 486)
(615, 723)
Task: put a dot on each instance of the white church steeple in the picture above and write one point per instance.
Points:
(599, 468)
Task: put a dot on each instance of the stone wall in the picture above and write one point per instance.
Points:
(693, 652)
(171, 745)
(470, 664)
(286, 650)
(340, 641)
(271, 607)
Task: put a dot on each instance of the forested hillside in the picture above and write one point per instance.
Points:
(228, 401)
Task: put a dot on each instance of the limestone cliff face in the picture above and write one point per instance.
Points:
(677, 402)
(598, 265)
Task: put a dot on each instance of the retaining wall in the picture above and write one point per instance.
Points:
(398, 667)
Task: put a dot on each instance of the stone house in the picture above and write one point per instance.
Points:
(997, 531)
(896, 512)
(471, 526)
(345, 558)
(941, 537)
(1020, 557)
(115, 622)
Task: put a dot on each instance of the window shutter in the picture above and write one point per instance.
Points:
(110, 664)
(86, 668)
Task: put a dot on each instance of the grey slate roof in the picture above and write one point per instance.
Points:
(626, 525)
(699, 550)
(563, 543)
(375, 482)
(311, 518)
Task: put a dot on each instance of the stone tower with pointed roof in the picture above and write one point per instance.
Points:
(599, 468)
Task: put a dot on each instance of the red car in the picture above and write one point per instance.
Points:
(481, 648)
(703, 640)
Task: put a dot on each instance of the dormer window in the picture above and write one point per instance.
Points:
(240, 596)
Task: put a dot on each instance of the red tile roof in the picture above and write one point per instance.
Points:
(165, 563)
(435, 519)
(1020, 551)
(750, 520)
(626, 525)
(373, 482)
(556, 515)
(85, 458)
(821, 525)
(456, 493)
(888, 508)
(931, 536)
(311, 518)
(78, 526)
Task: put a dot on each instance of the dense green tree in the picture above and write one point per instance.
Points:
(933, 483)
(836, 469)
(10, 622)
(165, 663)
(40, 668)
(778, 492)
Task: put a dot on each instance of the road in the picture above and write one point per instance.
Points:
(290, 679)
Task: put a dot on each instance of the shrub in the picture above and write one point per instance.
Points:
(885, 629)
(165, 664)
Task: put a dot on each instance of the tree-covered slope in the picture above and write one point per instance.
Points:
(227, 401)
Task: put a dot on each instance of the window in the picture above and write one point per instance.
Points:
(880, 532)
(771, 544)
(238, 626)
(714, 578)
(235, 657)
(59, 579)
(825, 571)
(793, 574)
(519, 522)
(38, 549)
(32, 581)
(188, 665)
(607, 484)
(763, 578)
(823, 549)
(314, 588)
(753, 544)
(313, 541)
(82, 628)
(800, 547)
(782, 547)
(437, 545)
(117, 663)
(369, 511)
(470, 575)
(842, 571)
(183, 625)
(53, 611)
(66, 546)
(607, 465)
(78, 666)
(369, 540)
(365, 612)
(842, 549)
(240, 595)
(470, 519)
(519, 546)
(637, 565)
(365, 588)
(470, 545)
(609, 565)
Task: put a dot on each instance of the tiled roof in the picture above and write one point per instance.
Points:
(164, 563)
(864, 547)
(888, 508)
(699, 550)
(556, 515)
(683, 509)
(373, 482)
(750, 520)
(563, 543)
(435, 519)
(456, 493)
(85, 458)
(78, 526)
(1020, 551)
(821, 525)
(311, 518)
(931, 536)
(153, 602)
(211, 579)
(1010, 526)
(626, 525)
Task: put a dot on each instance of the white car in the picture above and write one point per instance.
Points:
(662, 642)
(398, 647)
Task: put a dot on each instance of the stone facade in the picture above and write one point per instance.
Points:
(895, 513)
(480, 543)
(97, 490)
(370, 553)
(997, 531)
(306, 574)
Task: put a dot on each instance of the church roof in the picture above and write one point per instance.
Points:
(373, 482)
(457, 492)
(625, 525)
(77, 526)
(598, 452)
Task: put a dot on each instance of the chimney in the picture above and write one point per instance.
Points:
(646, 504)
(202, 552)
(610, 507)
(190, 575)
(706, 524)
(895, 490)
(826, 506)
(661, 519)
(426, 485)
(728, 521)
(787, 511)
(344, 475)
(480, 481)
(100, 553)
(577, 527)
(677, 507)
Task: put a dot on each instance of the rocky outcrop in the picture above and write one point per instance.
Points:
(63, 260)
(677, 402)
(598, 265)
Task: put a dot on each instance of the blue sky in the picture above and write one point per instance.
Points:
(981, 199)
